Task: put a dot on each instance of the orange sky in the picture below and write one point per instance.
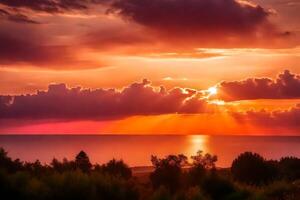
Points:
(186, 44)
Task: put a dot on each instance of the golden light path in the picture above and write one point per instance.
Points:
(197, 143)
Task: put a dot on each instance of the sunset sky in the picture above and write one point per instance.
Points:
(150, 66)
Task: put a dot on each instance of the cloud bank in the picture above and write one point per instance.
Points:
(278, 118)
(60, 102)
(285, 86)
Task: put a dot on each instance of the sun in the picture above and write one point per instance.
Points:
(212, 91)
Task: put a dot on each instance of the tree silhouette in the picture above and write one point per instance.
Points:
(82, 162)
(117, 168)
(290, 168)
(63, 166)
(8, 164)
(201, 163)
(167, 171)
(251, 168)
(207, 160)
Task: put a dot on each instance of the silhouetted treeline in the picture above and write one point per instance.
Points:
(174, 177)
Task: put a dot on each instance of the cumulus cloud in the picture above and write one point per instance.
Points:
(278, 118)
(285, 86)
(60, 102)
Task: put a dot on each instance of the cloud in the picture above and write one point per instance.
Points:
(190, 16)
(285, 86)
(210, 23)
(25, 45)
(60, 102)
(278, 118)
(21, 10)
(49, 6)
(16, 17)
(16, 49)
(156, 29)
(119, 40)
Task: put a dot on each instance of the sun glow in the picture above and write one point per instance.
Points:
(212, 91)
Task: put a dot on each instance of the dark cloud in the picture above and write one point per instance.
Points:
(278, 118)
(194, 17)
(285, 86)
(14, 49)
(50, 6)
(16, 17)
(25, 45)
(17, 10)
(60, 102)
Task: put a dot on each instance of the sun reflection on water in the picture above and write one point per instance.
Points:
(197, 142)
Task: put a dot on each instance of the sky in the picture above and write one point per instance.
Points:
(150, 67)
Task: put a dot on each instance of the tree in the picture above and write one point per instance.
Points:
(207, 161)
(201, 163)
(251, 168)
(167, 171)
(82, 162)
(63, 166)
(8, 164)
(117, 168)
(290, 168)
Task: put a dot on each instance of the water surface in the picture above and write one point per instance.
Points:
(136, 150)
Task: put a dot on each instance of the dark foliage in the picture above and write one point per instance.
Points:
(117, 168)
(200, 165)
(82, 162)
(290, 168)
(76, 180)
(63, 166)
(168, 171)
(173, 178)
(8, 164)
(251, 168)
(217, 187)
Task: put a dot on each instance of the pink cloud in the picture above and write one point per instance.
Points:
(285, 86)
(60, 102)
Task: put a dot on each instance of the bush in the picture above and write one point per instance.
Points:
(217, 187)
(196, 175)
(251, 168)
(161, 193)
(167, 171)
(290, 168)
(281, 190)
(195, 193)
(117, 168)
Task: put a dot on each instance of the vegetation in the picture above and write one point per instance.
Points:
(251, 177)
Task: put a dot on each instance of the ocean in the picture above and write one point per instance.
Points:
(136, 150)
